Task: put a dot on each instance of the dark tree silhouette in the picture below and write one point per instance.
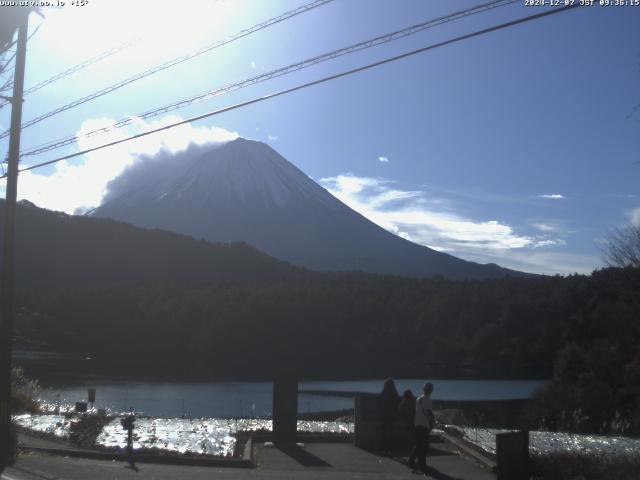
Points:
(622, 248)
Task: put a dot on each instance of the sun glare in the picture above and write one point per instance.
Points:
(160, 29)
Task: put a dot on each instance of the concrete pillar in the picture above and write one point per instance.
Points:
(512, 452)
(285, 410)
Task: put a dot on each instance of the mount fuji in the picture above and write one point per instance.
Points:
(245, 191)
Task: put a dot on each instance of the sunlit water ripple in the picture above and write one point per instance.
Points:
(209, 436)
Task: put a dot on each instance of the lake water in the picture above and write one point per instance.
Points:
(209, 436)
(251, 399)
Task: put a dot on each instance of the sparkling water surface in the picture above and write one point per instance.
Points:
(250, 399)
(208, 436)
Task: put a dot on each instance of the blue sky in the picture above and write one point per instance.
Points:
(517, 147)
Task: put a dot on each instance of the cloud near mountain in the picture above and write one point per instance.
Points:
(78, 185)
(245, 191)
(424, 219)
(416, 215)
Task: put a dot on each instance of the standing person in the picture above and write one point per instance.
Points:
(388, 410)
(407, 410)
(424, 422)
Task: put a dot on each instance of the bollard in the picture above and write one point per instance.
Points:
(512, 455)
(367, 421)
(285, 410)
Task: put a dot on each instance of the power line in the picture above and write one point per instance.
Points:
(388, 37)
(310, 84)
(8, 84)
(175, 61)
(78, 67)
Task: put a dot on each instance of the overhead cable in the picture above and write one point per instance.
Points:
(379, 40)
(175, 61)
(310, 84)
(75, 68)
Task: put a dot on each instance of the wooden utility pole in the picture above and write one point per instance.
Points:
(7, 277)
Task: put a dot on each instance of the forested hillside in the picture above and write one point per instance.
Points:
(148, 302)
(57, 250)
(349, 325)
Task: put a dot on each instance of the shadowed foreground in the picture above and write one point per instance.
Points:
(314, 460)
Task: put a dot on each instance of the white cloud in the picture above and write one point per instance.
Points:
(545, 227)
(272, 137)
(399, 210)
(416, 216)
(80, 185)
(549, 243)
(350, 184)
(553, 196)
(542, 261)
(253, 64)
(621, 195)
(383, 159)
(634, 216)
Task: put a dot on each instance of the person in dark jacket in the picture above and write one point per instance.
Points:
(424, 423)
(388, 411)
(407, 411)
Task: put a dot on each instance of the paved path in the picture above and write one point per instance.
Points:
(38, 442)
(315, 461)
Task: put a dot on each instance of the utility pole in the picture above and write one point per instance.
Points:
(7, 277)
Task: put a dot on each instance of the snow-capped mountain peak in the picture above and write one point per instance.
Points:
(244, 190)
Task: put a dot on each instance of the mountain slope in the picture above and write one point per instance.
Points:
(58, 250)
(245, 191)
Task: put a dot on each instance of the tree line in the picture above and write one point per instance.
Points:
(581, 331)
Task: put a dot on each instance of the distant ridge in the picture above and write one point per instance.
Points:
(58, 250)
(245, 191)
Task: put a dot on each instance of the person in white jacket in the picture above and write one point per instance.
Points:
(424, 423)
